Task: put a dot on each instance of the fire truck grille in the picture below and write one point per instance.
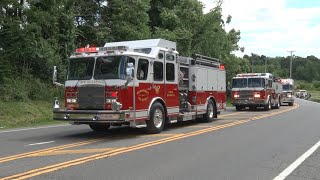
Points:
(246, 94)
(91, 97)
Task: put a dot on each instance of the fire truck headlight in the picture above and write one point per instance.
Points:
(71, 100)
(256, 96)
(236, 96)
(289, 95)
(116, 106)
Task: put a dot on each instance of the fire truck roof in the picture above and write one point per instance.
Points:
(162, 43)
(264, 75)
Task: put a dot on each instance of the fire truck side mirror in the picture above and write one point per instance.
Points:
(129, 74)
(129, 70)
(54, 76)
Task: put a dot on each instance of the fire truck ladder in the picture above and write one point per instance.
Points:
(205, 60)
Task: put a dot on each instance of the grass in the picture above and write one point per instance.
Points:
(315, 96)
(25, 114)
(229, 102)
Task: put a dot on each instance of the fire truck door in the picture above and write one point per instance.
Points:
(171, 82)
(157, 80)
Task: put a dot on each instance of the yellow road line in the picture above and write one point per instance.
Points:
(32, 153)
(158, 135)
(54, 167)
(231, 114)
(73, 151)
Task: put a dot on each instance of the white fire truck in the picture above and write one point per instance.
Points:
(256, 90)
(288, 91)
(143, 83)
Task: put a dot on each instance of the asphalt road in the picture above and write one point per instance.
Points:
(239, 145)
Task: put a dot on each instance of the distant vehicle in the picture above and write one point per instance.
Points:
(288, 91)
(256, 90)
(302, 94)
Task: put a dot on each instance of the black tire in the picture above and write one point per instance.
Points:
(156, 121)
(239, 108)
(278, 105)
(211, 112)
(99, 127)
(267, 107)
(290, 103)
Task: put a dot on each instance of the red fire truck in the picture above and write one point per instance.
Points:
(143, 83)
(256, 90)
(288, 91)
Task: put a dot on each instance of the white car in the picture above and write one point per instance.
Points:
(302, 94)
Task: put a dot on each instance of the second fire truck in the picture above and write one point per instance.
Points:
(256, 90)
(144, 84)
(288, 91)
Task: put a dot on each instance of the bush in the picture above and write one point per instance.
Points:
(316, 85)
(28, 88)
(304, 85)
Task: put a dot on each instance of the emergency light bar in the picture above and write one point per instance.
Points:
(114, 48)
(87, 50)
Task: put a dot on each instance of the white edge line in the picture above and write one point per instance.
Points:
(285, 173)
(42, 127)
(40, 143)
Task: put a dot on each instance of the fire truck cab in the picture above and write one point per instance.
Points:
(288, 91)
(143, 83)
(256, 90)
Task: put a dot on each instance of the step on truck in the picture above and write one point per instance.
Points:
(255, 90)
(288, 91)
(143, 84)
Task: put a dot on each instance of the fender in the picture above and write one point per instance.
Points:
(161, 101)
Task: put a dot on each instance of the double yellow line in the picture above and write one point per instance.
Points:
(33, 153)
(55, 167)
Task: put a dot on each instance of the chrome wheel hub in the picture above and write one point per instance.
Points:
(158, 118)
(210, 111)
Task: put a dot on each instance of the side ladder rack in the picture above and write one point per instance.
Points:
(205, 60)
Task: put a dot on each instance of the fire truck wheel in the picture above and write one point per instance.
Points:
(239, 108)
(278, 104)
(267, 107)
(211, 111)
(156, 121)
(99, 127)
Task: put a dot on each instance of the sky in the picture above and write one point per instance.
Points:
(273, 27)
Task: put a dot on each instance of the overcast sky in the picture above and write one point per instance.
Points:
(271, 27)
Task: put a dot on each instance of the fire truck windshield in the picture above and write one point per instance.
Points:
(80, 68)
(239, 83)
(106, 67)
(112, 67)
(256, 82)
(287, 87)
(248, 82)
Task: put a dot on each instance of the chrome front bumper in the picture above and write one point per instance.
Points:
(88, 116)
(249, 102)
(288, 100)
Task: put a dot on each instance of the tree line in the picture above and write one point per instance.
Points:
(38, 34)
(303, 68)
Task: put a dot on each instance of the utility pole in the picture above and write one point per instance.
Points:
(291, 53)
(265, 65)
(252, 66)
